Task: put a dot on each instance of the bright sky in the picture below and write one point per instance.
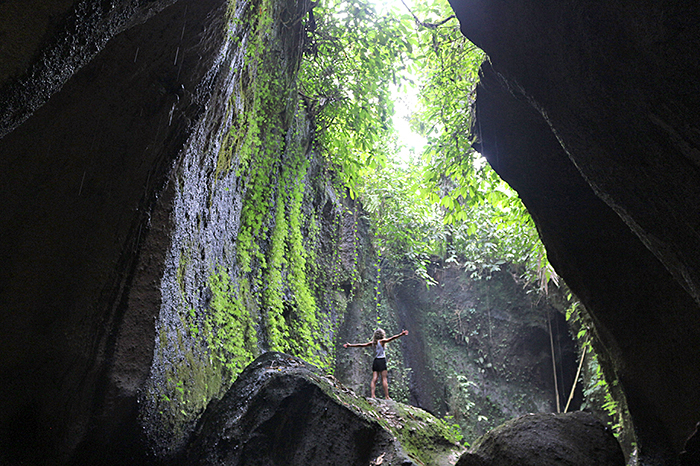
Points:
(405, 101)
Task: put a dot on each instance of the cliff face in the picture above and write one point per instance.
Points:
(85, 217)
(590, 112)
(165, 220)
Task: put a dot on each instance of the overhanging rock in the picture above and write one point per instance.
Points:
(589, 111)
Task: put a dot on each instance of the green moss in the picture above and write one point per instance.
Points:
(424, 438)
(228, 326)
(191, 380)
(267, 296)
(270, 291)
(270, 251)
(271, 163)
(276, 327)
(423, 435)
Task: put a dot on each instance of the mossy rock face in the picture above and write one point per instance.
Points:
(572, 439)
(284, 411)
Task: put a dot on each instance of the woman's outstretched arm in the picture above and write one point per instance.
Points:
(357, 345)
(398, 335)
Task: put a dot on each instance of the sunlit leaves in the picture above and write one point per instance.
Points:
(353, 56)
(450, 204)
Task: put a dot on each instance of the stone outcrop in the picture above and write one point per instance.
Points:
(573, 439)
(282, 411)
(590, 111)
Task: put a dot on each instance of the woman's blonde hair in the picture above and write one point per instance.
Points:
(379, 334)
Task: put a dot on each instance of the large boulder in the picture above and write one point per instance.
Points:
(283, 411)
(573, 439)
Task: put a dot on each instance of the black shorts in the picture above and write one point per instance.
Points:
(379, 364)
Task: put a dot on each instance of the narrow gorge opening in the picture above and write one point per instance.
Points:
(201, 198)
(459, 259)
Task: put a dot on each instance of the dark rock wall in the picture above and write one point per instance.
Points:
(122, 204)
(80, 179)
(598, 132)
(480, 349)
(264, 252)
(45, 43)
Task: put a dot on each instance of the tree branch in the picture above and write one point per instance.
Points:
(423, 23)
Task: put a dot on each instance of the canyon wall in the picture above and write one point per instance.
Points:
(166, 219)
(590, 111)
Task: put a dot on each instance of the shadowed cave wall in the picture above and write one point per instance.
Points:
(590, 111)
(124, 191)
(166, 219)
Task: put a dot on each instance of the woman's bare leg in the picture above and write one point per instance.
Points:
(385, 384)
(374, 382)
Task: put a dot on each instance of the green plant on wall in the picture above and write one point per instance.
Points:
(600, 389)
(267, 151)
(260, 290)
(228, 326)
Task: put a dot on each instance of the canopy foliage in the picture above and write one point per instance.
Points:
(447, 203)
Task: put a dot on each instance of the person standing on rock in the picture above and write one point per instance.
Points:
(379, 340)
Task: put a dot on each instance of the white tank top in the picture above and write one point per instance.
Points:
(379, 351)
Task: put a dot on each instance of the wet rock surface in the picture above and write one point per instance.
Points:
(590, 112)
(46, 43)
(573, 439)
(81, 234)
(282, 411)
(117, 208)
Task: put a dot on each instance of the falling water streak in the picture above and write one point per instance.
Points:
(184, 22)
(182, 35)
(176, 53)
(136, 54)
(80, 191)
(138, 238)
(170, 118)
(179, 69)
(148, 180)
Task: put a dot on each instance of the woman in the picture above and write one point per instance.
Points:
(379, 340)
